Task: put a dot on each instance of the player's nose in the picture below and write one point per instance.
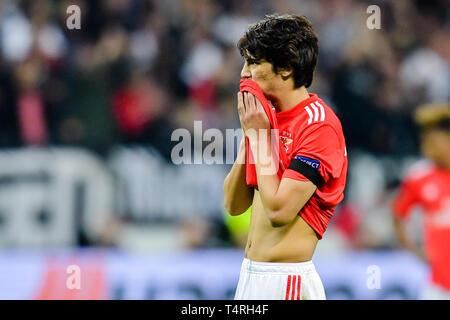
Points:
(245, 72)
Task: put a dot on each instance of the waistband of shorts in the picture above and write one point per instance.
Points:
(278, 267)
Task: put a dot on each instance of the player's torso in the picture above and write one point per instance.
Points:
(433, 190)
(294, 242)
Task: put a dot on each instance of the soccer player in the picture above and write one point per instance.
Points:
(289, 215)
(427, 185)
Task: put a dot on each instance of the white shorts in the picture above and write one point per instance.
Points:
(279, 281)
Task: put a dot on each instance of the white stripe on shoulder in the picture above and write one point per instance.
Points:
(319, 112)
(310, 114)
(322, 111)
(420, 169)
(316, 112)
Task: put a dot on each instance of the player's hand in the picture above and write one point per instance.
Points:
(252, 115)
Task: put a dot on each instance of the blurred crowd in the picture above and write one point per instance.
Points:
(138, 69)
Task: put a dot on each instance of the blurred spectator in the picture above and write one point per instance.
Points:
(138, 69)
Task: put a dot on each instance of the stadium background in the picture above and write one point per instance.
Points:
(86, 118)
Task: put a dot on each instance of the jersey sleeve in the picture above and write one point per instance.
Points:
(318, 156)
(405, 199)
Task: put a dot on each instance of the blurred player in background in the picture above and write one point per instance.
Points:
(289, 216)
(427, 185)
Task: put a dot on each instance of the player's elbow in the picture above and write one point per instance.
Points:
(234, 210)
(278, 218)
(233, 201)
(227, 201)
(230, 204)
(233, 206)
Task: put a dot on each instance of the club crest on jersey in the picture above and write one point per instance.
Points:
(311, 162)
(286, 142)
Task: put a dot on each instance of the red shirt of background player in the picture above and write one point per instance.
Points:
(428, 186)
(312, 134)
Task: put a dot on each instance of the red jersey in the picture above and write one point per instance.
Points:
(428, 186)
(313, 139)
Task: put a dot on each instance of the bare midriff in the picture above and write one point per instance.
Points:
(293, 242)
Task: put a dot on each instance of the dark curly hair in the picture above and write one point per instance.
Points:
(286, 41)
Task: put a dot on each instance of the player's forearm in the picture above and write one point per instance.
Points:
(238, 196)
(268, 186)
(404, 240)
(268, 181)
(401, 234)
(282, 200)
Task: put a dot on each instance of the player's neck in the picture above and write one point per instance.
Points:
(445, 166)
(286, 98)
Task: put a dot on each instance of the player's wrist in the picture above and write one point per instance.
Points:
(259, 139)
(242, 144)
(240, 159)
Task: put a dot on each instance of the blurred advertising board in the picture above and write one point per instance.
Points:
(201, 274)
(53, 197)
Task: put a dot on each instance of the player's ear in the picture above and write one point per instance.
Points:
(286, 73)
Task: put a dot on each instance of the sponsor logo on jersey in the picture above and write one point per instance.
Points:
(311, 162)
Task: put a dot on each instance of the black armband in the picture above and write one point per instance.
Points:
(309, 172)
